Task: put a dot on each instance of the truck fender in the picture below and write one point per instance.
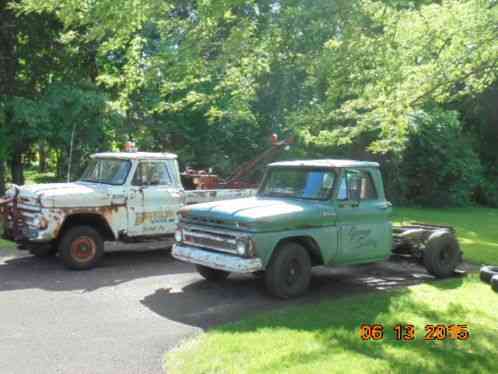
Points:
(93, 219)
(308, 242)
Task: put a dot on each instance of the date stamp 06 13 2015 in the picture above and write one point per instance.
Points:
(406, 332)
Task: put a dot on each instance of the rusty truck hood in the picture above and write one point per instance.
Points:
(261, 214)
(66, 195)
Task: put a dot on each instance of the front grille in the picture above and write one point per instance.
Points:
(25, 213)
(210, 239)
(206, 220)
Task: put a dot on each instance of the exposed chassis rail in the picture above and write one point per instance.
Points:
(410, 240)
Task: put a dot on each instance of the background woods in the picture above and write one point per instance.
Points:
(412, 84)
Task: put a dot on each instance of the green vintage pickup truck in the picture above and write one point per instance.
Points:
(305, 214)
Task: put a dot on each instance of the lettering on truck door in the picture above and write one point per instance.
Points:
(154, 199)
(360, 217)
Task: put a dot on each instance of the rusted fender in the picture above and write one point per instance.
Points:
(5, 200)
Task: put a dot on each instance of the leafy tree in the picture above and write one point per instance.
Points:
(440, 167)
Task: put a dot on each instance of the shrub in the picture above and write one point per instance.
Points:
(439, 164)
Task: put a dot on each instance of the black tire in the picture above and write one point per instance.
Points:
(494, 283)
(289, 271)
(442, 254)
(213, 275)
(487, 272)
(43, 250)
(81, 248)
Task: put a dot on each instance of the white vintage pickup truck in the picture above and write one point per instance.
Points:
(121, 196)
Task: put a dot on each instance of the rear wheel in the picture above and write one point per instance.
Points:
(442, 254)
(289, 272)
(213, 275)
(81, 247)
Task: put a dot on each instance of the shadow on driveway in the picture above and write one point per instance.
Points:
(205, 304)
(20, 270)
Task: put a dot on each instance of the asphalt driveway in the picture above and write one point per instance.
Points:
(123, 316)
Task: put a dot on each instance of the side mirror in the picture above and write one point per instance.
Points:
(354, 192)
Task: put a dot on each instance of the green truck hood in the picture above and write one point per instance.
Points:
(261, 214)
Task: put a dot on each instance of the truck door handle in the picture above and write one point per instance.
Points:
(328, 214)
(354, 204)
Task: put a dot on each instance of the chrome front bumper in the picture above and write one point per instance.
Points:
(221, 261)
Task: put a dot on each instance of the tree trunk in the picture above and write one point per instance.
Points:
(2, 178)
(17, 168)
(59, 161)
(42, 158)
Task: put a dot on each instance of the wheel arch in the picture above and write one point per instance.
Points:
(308, 243)
(95, 220)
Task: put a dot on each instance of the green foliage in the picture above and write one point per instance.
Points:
(386, 63)
(439, 165)
(488, 190)
(84, 110)
(211, 80)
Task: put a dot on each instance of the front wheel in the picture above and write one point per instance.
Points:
(289, 272)
(211, 274)
(81, 248)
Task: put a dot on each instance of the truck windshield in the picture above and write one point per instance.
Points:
(299, 183)
(107, 171)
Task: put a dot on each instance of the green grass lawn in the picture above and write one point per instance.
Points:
(33, 176)
(6, 245)
(477, 228)
(325, 338)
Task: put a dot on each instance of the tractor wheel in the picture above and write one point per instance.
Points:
(442, 254)
(494, 283)
(487, 272)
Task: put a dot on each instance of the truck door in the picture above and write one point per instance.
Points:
(362, 213)
(154, 199)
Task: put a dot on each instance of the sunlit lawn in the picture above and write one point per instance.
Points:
(477, 228)
(6, 245)
(33, 176)
(325, 338)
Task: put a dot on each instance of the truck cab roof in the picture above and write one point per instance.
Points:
(136, 155)
(325, 163)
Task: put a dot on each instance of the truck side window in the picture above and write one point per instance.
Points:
(366, 185)
(150, 173)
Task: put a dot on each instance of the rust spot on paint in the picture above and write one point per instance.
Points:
(155, 217)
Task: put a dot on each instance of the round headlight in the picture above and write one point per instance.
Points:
(39, 222)
(241, 246)
(178, 235)
(36, 221)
